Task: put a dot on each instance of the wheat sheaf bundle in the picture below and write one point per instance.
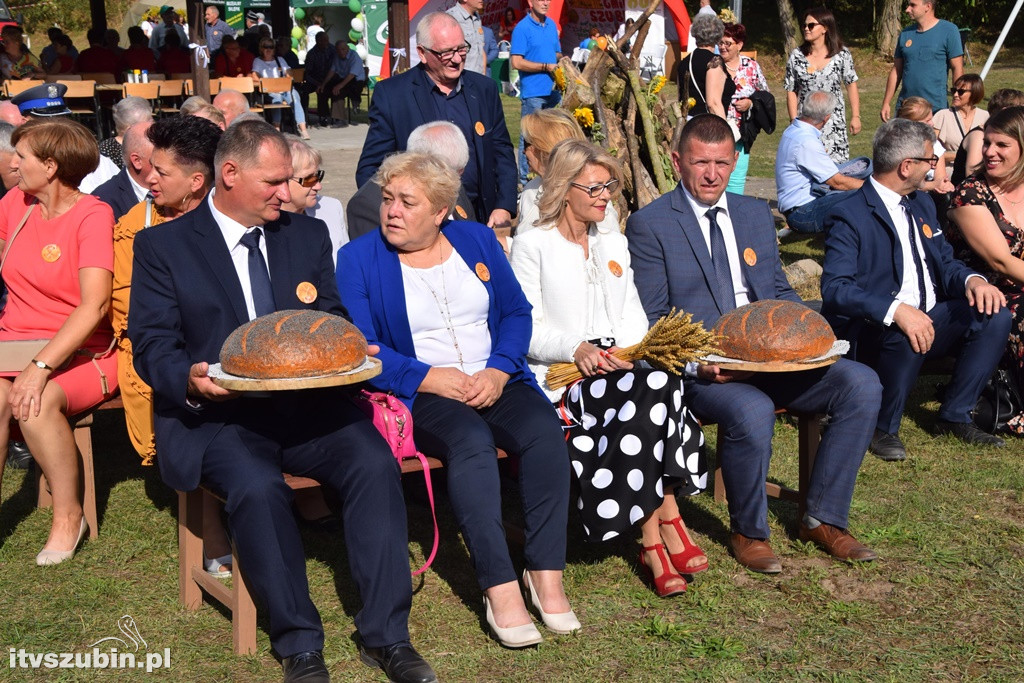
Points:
(669, 345)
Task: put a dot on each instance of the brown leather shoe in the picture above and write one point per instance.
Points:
(838, 543)
(755, 554)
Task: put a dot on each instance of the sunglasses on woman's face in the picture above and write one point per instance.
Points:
(310, 180)
(809, 26)
(959, 91)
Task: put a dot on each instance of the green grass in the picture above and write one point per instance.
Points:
(943, 603)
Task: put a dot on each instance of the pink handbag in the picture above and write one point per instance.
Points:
(394, 422)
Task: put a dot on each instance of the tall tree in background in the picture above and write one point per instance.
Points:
(888, 28)
(790, 29)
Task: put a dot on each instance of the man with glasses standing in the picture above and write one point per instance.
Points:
(924, 53)
(893, 289)
(440, 89)
(535, 53)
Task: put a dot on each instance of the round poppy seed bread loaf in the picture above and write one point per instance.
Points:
(773, 331)
(293, 344)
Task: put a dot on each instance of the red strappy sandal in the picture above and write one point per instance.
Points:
(690, 549)
(660, 582)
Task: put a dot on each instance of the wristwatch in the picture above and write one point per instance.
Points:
(41, 365)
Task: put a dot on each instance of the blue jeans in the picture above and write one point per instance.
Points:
(291, 98)
(522, 423)
(848, 392)
(530, 105)
(811, 216)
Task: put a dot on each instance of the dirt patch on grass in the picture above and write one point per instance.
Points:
(855, 589)
(1006, 507)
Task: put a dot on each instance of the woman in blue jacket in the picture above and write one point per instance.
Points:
(453, 327)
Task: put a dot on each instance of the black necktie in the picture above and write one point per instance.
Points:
(259, 276)
(720, 259)
(918, 261)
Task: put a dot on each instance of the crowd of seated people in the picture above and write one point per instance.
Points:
(192, 238)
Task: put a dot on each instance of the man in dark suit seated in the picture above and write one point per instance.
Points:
(129, 187)
(439, 88)
(707, 252)
(439, 139)
(892, 287)
(195, 280)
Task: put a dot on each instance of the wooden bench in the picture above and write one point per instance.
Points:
(81, 427)
(808, 439)
(193, 580)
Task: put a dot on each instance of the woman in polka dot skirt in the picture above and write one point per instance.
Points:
(632, 442)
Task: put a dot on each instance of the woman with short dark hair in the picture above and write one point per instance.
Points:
(58, 252)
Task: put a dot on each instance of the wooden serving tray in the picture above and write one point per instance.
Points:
(777, 366)
(370, 368)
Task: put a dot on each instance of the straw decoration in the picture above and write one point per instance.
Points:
(669, 345)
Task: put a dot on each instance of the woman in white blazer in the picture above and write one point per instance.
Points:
(631, 439)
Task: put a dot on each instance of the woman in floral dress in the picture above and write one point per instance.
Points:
(746, 74)
(822, 63)
(987, 227)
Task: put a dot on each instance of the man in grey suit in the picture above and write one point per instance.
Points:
(708, 252)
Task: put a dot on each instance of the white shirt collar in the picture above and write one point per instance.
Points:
(700, 208)
(140, 191)
(889, 197)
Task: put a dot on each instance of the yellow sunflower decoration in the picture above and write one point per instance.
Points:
(559, 76)
(657, 83)
(691, 103)
(584, 117)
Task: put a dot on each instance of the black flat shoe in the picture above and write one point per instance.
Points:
(18, 456)
(399, 662)
(968, 433)
(305, 667)
(887, 447)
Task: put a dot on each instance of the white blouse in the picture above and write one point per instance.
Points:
(447, 306)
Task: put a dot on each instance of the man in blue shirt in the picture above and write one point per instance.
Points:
(801, 163)
(216, 29)
(924, 52)
(535, 53)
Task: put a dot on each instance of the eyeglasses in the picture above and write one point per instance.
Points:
(448, 55)
(809, 26)
(594, 191)
(310, 180)
(266, 47)
(726, 44)
(932, 160)
(959, 91)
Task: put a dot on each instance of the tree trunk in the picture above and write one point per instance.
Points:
(888, 28)
(790, 30)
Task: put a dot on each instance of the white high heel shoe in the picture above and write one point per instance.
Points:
(48, 557)
(514, 636)
(562, 623)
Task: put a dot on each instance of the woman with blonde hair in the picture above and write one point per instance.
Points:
(542, 130)
(305, 185)
(440, 300)
(631, 439)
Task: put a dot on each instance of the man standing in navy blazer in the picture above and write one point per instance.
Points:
(706, 252)
(439, 88)
(892, 287)
(195, 280)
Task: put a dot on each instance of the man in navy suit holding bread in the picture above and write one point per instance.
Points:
(196, 279)
(707, 252)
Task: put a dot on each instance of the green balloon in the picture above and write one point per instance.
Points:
(352, 47)
(355, 6)
(591, 44)
(297, 32)
(295, 43)
(300, 13)
(355, 36)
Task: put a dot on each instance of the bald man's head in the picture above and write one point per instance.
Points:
(10, 113)
(231, 103)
